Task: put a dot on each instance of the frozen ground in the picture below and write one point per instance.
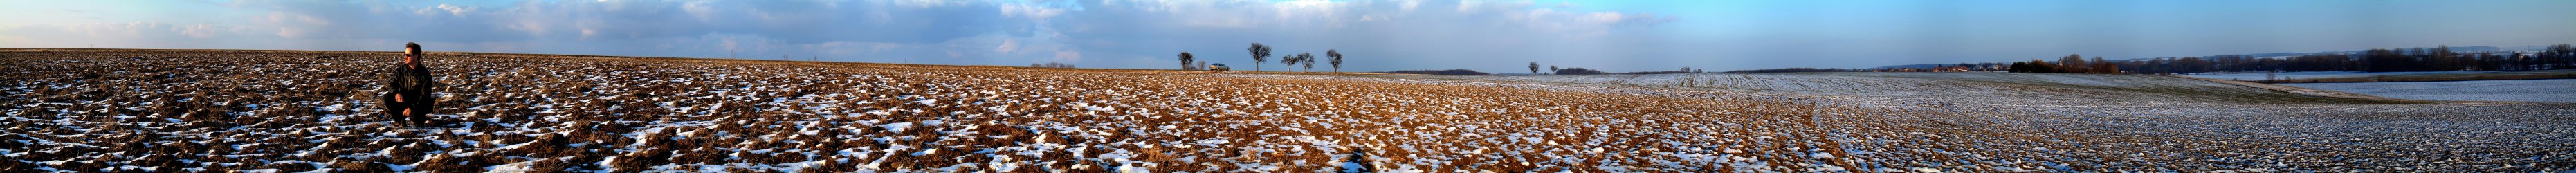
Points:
(293, 111)
(2547, 90)
(2119, 122)
(301, 111)
(1976, 88)
(2250, 76)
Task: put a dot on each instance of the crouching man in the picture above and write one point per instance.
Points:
(408, 98)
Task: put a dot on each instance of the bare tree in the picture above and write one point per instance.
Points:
(1290, 60)
(1551, 68)
(1260, 53)
(2072, 63)
(1337, 59)
(1533, 67)
(2559, 56)
(1308, 59)
(2102, 67)
(1185, 61)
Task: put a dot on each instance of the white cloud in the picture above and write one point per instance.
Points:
(1455, 34)
(1604, 17)
(7, 40)
(1068, 56)
(203, 31)
(1031, 12)
(1008, 45)
(451, 10)
(923, 3)
(293, 25)
(147, 30)
(970, 32)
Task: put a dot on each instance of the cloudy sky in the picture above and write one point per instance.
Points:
(1492, 36)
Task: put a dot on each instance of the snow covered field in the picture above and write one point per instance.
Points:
(291, 111)
(1953, 88)
(2119, 122)
(2547, 90)
(2249, 76)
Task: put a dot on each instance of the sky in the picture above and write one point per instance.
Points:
(1490, 36)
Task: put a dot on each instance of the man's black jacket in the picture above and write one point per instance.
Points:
(412, 82)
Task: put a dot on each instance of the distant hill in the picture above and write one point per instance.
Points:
(1578, 71)
(1920, 66)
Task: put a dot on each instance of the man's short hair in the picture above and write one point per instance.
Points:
(408, 47)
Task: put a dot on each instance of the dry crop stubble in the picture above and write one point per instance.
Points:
(236, 110)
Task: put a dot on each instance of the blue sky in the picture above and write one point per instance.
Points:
(1492, 36)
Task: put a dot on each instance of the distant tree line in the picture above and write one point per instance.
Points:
(1051, 65)
(2561, 56)
(1796, 70)
(1438, 72)
(1960, 67)
(2072, 63)
(2438, 58)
